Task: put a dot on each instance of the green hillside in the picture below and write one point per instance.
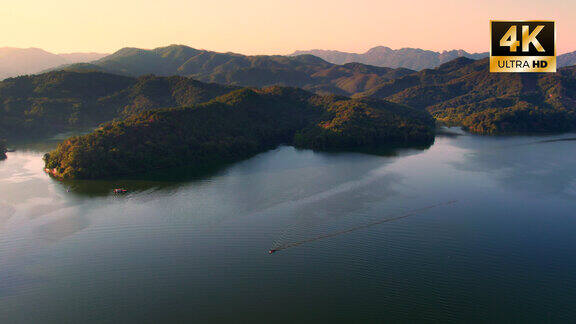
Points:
(460, 92)
(235, 126)
(463, 92)
(55, 101)
(305, 71)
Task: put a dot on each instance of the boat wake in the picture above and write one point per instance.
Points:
(279, 247)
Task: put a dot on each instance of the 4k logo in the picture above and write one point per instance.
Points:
(523, 46)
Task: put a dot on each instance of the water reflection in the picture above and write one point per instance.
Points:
(535, 165)
(174, 178)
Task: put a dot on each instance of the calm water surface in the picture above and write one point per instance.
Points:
(196, 249)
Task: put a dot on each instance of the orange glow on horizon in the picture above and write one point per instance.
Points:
(270, 27)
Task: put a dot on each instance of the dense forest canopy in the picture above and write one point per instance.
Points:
(56, 101)
(463, 92)
(235, 126)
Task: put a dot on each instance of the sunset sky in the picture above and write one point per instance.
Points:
(268, 26)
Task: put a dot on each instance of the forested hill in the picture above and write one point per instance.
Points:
(235, 126)
(305, 71)
(21, 61)
(460, 92)
(55, 101)
(464, 92)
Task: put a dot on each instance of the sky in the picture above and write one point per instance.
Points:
(270, 26)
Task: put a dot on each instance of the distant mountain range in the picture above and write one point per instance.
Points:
(321, 71)
(21, 61)
(304, 71)
(459, 92)
(410, 58)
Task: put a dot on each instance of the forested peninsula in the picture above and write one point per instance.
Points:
(235, 126)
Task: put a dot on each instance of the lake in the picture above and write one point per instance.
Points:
(485, 231)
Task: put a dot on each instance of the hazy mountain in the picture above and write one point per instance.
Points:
(464, 92)
(21, 61)
(410, 58)
(567, 59)
(81, 57)
(304, 71)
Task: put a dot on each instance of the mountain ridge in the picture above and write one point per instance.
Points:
(567, 59)
(407, 57)
(463, 92)
(21, 61)
(304, 71)
(36, 105)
